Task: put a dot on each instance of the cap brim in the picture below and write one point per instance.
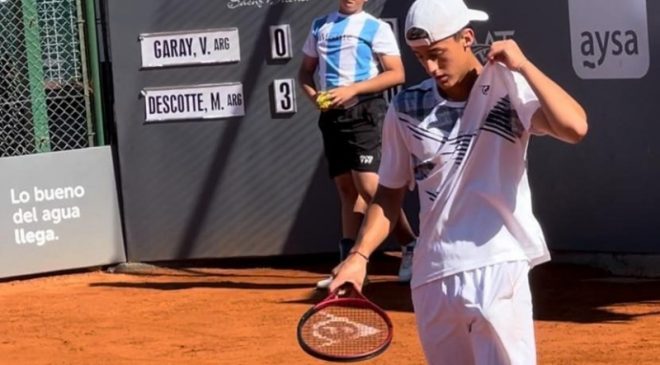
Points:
(477, 15)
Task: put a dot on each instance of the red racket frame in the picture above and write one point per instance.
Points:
(355, 300)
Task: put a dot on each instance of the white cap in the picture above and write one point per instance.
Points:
(429, 21)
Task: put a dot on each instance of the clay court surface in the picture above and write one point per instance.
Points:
(245, 312)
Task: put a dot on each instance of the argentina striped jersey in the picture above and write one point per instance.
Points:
(348, 46)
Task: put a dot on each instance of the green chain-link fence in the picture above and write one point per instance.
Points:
(44, 89)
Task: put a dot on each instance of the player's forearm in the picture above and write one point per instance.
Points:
(381, 217)
(306, 82)
(383, 81)
(565, 117)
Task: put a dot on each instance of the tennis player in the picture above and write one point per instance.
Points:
(462, 137)
(357, 58)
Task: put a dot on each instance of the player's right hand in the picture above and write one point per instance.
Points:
(508, 52)
(353, 270)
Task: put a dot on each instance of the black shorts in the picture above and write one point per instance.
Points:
(352, 137)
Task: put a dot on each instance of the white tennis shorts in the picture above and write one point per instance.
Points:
(481, 316)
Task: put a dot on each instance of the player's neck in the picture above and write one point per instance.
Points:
(345, 13)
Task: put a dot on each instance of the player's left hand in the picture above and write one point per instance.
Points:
(507, 52)
(342, 95)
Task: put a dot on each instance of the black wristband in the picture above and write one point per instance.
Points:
(360, 254)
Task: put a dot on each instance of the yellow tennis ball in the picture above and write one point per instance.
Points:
(323, 100)
(325, 105)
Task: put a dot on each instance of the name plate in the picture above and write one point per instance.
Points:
(212, 101)
(190, 47)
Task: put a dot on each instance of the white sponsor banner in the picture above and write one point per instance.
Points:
(212, 101)
(59, 211)
(190, 47)
(609, 38)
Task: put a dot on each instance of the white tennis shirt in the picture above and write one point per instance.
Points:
(469, 163)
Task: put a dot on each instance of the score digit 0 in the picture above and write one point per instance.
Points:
(280, 42)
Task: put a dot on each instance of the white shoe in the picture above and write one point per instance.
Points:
(325, 283)
(405, 270)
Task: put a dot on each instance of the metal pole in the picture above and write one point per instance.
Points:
(80, 20)
(94, 66)
(32, 35)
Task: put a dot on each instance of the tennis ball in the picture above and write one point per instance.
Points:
(323, 101)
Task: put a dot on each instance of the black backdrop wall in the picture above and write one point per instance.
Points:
(257, 185)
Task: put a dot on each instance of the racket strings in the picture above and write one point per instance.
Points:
(345, 331)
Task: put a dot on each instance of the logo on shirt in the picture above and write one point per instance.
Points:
(340, 37)
(481, 49)
(366, 159)
(609, 38)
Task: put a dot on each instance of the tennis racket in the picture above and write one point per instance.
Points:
(345, 327)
